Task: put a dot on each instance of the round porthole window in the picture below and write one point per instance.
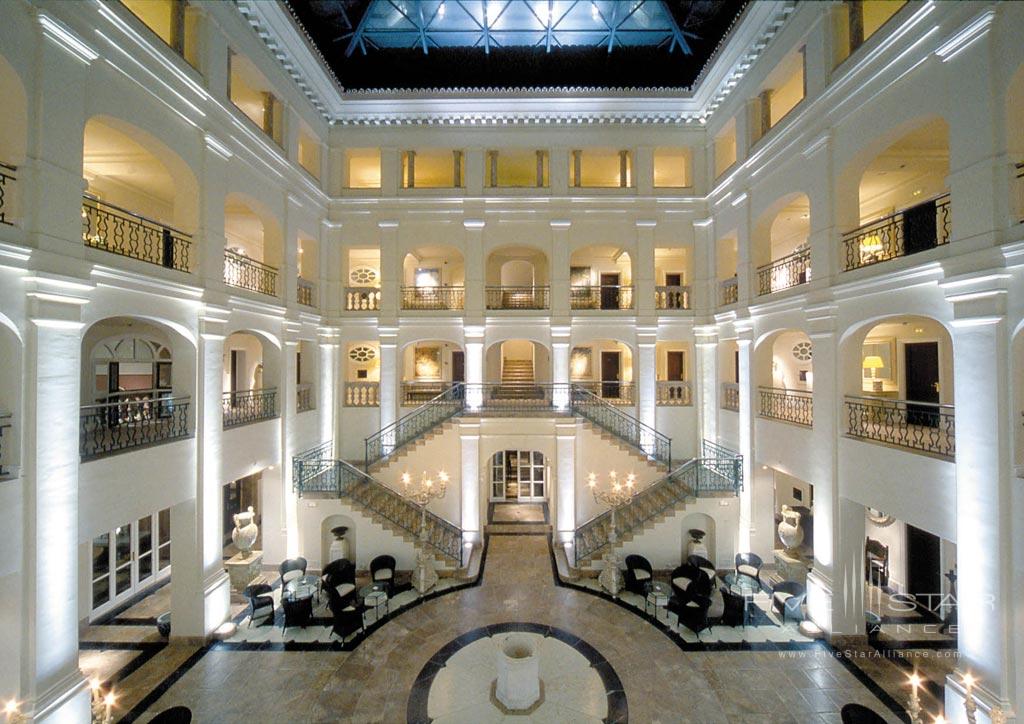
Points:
(802, 351)
(362, 353)
(363, 276)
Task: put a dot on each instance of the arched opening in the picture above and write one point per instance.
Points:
(1015, 142)
(433, 277)
(903, 203)
(362, 280)
(429, 367)
(13, 139)
(136, 386)
(726, 261)
(518, 475)
(604, 367)
(362, 374)
(672, 275)
(898, 380)
(10, 399)
(337, 539)
(701, 537)
(140, 199)
(253, 246)
(517, 278)
(782, 252)
(601, 277)
(250, 379)
(309, 270)
(784, 370)
(672, 361)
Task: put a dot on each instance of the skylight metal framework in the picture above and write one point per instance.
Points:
(516, 23)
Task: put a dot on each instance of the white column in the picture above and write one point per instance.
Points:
(200, 594)
(390, 272)
(646, 340)
(560, 365)
(52, 688)
(705, 386)
(987, 603)
(469, 437)
(389, 374)
(643, 270)
(474, 336)
(840, 586)
(287, 389)
(565, 479)
(325, 390)
(474, 266)
(559, 272)
(746, 435)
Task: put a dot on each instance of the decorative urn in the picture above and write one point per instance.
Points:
(790, 532)
(245, 532)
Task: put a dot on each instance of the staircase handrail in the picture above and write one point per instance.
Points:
(316, 472)
(383, 443)
(627, 428)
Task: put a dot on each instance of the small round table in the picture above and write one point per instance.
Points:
(297, 600)
(301, 588)
(743, 585)
(658, 594)
(374, 596)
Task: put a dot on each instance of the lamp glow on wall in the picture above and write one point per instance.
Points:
(874, 363)
(870, 248)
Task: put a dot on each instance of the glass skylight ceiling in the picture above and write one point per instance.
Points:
(490, 24)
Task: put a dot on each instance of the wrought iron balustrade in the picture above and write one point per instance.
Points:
(672, 297)
(437, 298)
(518, 297)
(924, 426)
(409, 427)
(909, 231)
(418, 392)
(130, 420)
(7, 179)
(304, 293)
(678, 393)
(794, 406)
(603, 296)
(362, 299)
(245, 273)
(790, 271)
(730, 291)
(626, 427)
(314, 471)
(247, 406)
(731, 396)
(305, 400)
(111, 228)
(613, 391)
(362, 394)
(5, 445)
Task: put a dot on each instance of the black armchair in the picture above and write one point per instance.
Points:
(382, 570)
(734, 608)
(174, 715)
(261, 602)
(749, 564)
(347, 617)
(692, 610)
(788, 598)
(705, 565)
(339, 577)
(297, 612)
(292, 568)
(859, 714)
(688, 578)
(638, 573)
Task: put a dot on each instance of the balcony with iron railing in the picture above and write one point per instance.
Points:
(790, 271)
(510, 297)
(7, 179)
(433, 298)
(672, 297)
(730, 396)
(674, 393)
(362, 393)
(5, 443)
(305, 400)
(604, 296)
(909, 231)
(924, 427)
(119, 231)
(305, 293)
(130, 420)
(729, 291)
(245, 273)
(612, 391)
(362, 299)
(795, 406)
(245, 407)
(417, 392)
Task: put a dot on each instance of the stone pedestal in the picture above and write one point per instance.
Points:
(610, 577)
(518, 685)
(243, 569)
(792, 567)
(424, 577)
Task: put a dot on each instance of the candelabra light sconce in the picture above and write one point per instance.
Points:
(102, 703)
(914, 705)
(12, 713)
(421, 493)
(618, 494)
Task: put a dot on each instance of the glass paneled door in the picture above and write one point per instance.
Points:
(518, 475)
(128, 559)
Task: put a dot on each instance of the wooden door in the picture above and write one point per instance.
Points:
(922, 373)
(924, 576)
(676, 364)
(609, 291)
(610, 374)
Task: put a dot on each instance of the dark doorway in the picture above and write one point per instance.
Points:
(237, 365)
(675, 362)
(736, 367)
(919, 228)
(924, 579)
(610, 375)
(922, 366)
(458, 366)
(673, 280)
(609, 291)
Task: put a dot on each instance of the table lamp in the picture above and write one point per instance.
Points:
(874, 363)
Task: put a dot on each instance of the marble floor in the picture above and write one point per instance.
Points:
(663, 678)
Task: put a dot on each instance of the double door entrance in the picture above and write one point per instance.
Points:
(518, 475)
(129, 558)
